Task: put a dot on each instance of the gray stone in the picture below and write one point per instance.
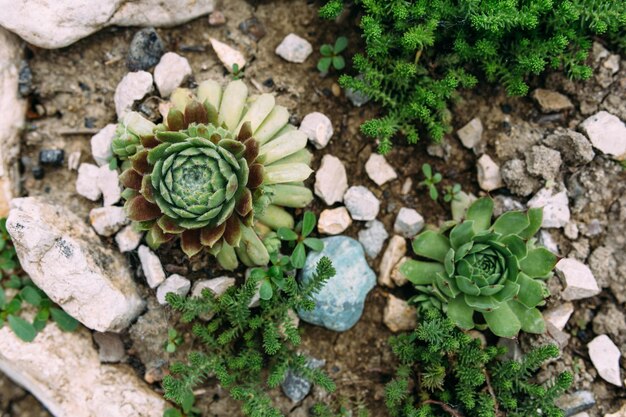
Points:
(574, 147)
(551, 101)
(171, 71)
(101, 144)
(408, 222)
(149, 337)
(106, 221)
(357, 98)
(334, 221)
(174, 283)
(331, 181)
(556, 212)
(145, 50)
(607, 133)
(297, 387)
(151, 266)
(318, 128)
(576, 402)
(361, 203)
(577, 278)
(398, 315)
(502, 204)
(513, 349)
(379, 170)
(128, 239)
(471, 134)
(373, 237)
(516, 178)
(134, 86)
(110, 347)
(605, 358)
(489, 177)
(294, 49)
(396, 249)
(543, 162)
(67, 260)
(339, 305)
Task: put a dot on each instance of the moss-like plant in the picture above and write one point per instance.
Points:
(479, 268)
(217, 173)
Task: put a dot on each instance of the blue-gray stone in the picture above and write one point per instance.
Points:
(339, 304)
(295, 386)
(576, 402)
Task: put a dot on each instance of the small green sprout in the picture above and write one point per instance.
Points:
(431, 181)
(305, 227)
(451, 192)
(174, 339)
(331, 55)
(237, 72)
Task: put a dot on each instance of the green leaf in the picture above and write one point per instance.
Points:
(481, 303)
(339, 63)
(314, 243)
(420, 272)
(431, 245)
(3, 298)
(308, 223)
(170, 348)
(340, 44)
(535, 218)
(323, 64)
(64, 320)
(462, 234)
(530, 318)
(22, 329)
(326, 50)
(531, 292)
(427, 171)
(187, 400)
(266, 291)
(516, 245)
(31, 296)
(172, 412)
(503, 322)
(298, 257)
(432, 191)
(286, 234)
(538, 263)
(480, 212)
(466, 285)
(511, 223)
(460, 313)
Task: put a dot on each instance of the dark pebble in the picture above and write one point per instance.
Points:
(90, 122)
(25, 79)
(145, 50)
(52, 157)
(38, 172)
(269, 83)
(253, 28)
(506, 108)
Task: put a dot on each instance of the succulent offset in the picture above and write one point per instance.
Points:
(476, 268)
(216, 173)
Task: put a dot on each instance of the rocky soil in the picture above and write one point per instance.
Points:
(558, 148)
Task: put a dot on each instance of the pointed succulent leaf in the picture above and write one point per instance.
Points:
(531, 292)
(431, 245)
(538, 263)
(460, 313)
(462, 234)
(511, 223)
(420, 272)
(190, 242)
(480, 212)
(535, 218)
(530, 318)
(516, 245)
(503, 322)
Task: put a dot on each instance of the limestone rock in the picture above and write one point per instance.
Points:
(574, 147)
(66, 259)
(331, 181)
(151, 266)
(543, 162)
(64, 372)
(227, 55)
(489, 177)
(294, 49)
(556, 212)
(605, 357)
(128, 239)
(578, 280)
(373, 237)
(106, 221)
(396, 249)
(334, 221)
(551, 101)
(174, 283)
(87, 182)
(559, 315)
(318, 128)
(134, 86)
(399, 316)
(101, 144)
(517, 179)
(61, 23)
(471, 134)
(171, 71)
(408, 222)
(607, 133)
(398, 278)
(379, 170)
(361, 203)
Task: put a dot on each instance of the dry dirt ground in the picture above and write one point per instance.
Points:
(73, 97)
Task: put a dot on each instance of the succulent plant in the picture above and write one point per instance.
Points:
(217, 172)
(475, 268)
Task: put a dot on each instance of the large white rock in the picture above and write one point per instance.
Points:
(229, 56)
(101, 144)
(334, 221)
(318, 128)
(361, 203)
(379, 170)
(151, 266)
(171, 71)
(605, 357)
(64, 372)
(55, 24)
(13, 110)
(67, 260)
(577, 278)
(134, 86)
(607, 133)
(489, 177)
(556, 212)
(294, 49)
(331, 181)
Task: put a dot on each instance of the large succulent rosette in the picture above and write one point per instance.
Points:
(484, 274)
(217, 173)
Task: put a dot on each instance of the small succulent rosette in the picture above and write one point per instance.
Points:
(218, 172)
(483, 274)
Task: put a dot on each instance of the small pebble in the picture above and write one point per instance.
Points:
(109, 184)
(134, 86)
(471, 134)
(559, 315)
(297, 387)
(170, 73)
(101, 144)
(408, 222)
(379, 170)
(38, 172)
(110, 347)
(489, 177)
(128, 239)
(174, 283)
(556, 212)
(577, 278)
(605, 357)
(334, 221)
(145, 50)
(551, 101)
(253, 28)
(294, 49)
(361, 203)
(73, 160)
(398, 315)
(227, 55)
(398, 278)
(218, 286)
(331, 180)
(373, 238)
(607, 133)
(217, 18)
(86, 183)
(396, 249)
(318, 128)
(52, 157)
(407, 185)
(151, 266)
(106, 221)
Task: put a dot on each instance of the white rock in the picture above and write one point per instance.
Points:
(555, 205)
(294, 49)
(67, 260)
(128, 239)
(406, 186)
(607, 134)
(546, 240)
(109, 184)
(379, 170)
(559, 315)
(227, 55)
(489, 177)
(578, 280)
(63, 370)
(397, 276)
(106, 221)
(373, 238)
(218, 286)
(408, 222)
(151, 266)
(101, 144)
(318, 128)
(134, 86)
(61, 23)
(87, 181)
(399, 315)
(171, 71)
(13, 110)
(331, 181)
(361, 203)
(605, 357)
(73, 160)
(471, 134)
(334, 221)
(396, 249)
(174, 283)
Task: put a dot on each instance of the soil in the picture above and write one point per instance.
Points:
(73, 99)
